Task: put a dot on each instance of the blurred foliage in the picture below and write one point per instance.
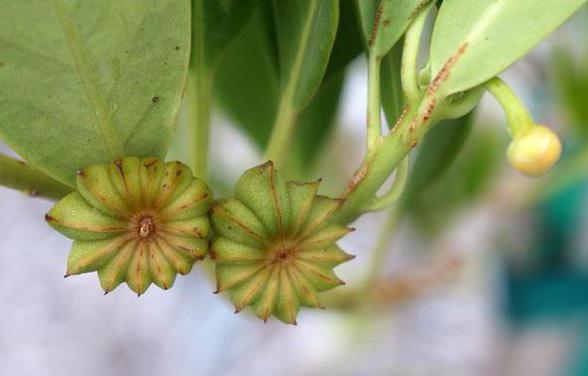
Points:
(572, 79)
(248, 88)
(437, 152)
(455, 165)
(390, 85)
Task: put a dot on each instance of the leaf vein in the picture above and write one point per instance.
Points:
(89, 82)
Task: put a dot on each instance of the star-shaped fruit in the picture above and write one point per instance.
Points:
(136, 221)
(274, 245)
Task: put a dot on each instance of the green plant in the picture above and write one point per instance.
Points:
(96, 85)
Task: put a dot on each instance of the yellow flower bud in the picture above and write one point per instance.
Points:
(534, 151)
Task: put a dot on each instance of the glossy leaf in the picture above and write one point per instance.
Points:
(474, 40)
(91, 80)
(385, 21)
(306, 31)
(215, 25)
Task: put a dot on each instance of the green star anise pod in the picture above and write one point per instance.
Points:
(274, 245)
(136, 221)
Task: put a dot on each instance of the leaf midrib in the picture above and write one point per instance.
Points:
(91, 87)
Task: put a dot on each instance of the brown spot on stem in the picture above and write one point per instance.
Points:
(376, 24)
(445, 70)
(416, 10)
(429, 110)
(357, 178)
(412, 126)
(401, 118)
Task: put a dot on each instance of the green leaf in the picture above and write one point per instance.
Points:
(91, 80)
(246, 83)
(215, 24)
(349, 40)
(437, 152)
(316, 121)
(391, 86)
(314, 125)
(385, 21)
(474, 40)
(306, 31)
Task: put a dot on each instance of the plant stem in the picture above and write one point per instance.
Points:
(199, 93)
(283, 130)
(410, 52)
(517, 115)
(21, 176)
(374, 121)
(199, 96)
(282, 133)
(395, 191)
(377, 166)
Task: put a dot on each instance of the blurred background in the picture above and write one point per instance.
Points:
(484, 272)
